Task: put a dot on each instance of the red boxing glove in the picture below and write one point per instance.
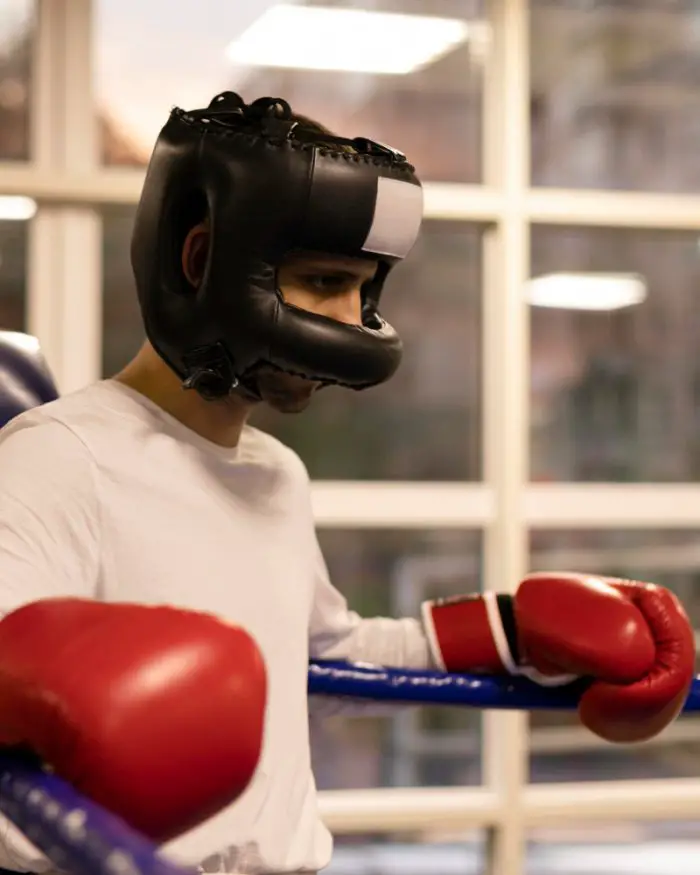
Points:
(155, 713)
(633, 639)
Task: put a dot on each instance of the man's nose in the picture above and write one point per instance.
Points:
(345, 308)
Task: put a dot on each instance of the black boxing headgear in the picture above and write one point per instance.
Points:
(270, 187)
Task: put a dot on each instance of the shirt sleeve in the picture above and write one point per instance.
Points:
(336, 632)
(49, 546)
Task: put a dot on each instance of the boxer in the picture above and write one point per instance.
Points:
(261, 246)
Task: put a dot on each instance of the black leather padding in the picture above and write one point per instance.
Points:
(269, 189)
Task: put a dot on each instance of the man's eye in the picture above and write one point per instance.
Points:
(323, 282)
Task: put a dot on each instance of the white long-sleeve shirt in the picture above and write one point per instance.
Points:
(106, 496)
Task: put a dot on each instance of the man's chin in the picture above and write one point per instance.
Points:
(285, 393)
(283, 403)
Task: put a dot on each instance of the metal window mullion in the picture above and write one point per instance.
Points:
(448, 201)
(375, 505)
(64, 264)
(44, 250)
(505, 435)
(410, 809)
(655, 800)
(619, 209)
(642, 506)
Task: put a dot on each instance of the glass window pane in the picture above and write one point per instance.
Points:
(424, 424)
(560, 749)
(122, 330)
(615, 95)
(16, 44)
(13, 270)
(615, 848)
(615, 392)
(389, 573)
(179, 56)
(431, 852)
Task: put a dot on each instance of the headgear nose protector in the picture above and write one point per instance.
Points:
(271, 187)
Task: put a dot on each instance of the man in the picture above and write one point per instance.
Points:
(260, 248)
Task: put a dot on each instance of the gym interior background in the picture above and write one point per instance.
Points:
(547, 414)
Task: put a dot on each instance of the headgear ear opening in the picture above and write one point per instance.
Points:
(270, 186)
(189, 210)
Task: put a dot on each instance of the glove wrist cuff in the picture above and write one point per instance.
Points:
(504, 628)
(472, 633)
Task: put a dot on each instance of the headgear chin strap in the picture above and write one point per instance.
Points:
(271, 187)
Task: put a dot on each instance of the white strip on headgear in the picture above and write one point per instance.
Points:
(398, 212)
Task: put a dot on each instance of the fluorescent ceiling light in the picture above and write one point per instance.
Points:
(351, 40)
(14, 208)
(586, 291)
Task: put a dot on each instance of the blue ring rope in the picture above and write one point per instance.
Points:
(359, 681)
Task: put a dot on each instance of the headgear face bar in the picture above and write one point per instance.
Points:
(271, 188)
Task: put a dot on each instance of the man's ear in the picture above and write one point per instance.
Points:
(194, 253)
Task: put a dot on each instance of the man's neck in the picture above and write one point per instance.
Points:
(220, 422)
